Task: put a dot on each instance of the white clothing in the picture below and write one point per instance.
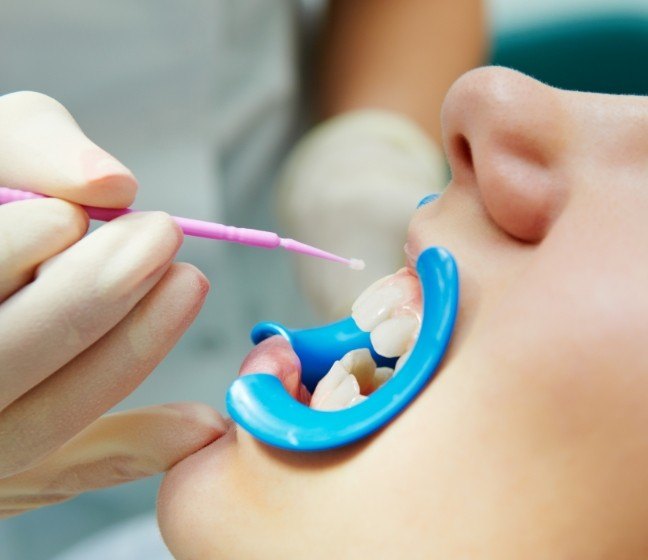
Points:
(199, 100)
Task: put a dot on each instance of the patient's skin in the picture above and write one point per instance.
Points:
(532, 440)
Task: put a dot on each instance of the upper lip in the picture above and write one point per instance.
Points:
(411, 253)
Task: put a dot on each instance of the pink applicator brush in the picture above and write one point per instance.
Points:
(207, 230)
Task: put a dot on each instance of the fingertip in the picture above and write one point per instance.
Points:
(194, 277)
(110, 183)
(166, 221)
(167, 227)
(205, 422)
(110, 191)
(80, 219)
(160, 228)
(74, 168)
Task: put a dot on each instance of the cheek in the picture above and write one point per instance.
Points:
(560, 361)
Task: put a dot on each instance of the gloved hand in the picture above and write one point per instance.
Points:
(83, 321)
(350, 187)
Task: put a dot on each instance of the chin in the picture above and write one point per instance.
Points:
(190, 499)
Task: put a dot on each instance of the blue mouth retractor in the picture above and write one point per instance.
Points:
(260, 404)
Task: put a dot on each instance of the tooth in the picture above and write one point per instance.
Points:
(328, 383)
(360, 364)
(393, 337)
(376, 305)
(382, 375)
(370, 290)
(401, 361)
(344, 395)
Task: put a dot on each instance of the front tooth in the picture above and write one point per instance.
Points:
(360, 364)
(376, 305)
(370, 290)
(344, 395)
(393, 337)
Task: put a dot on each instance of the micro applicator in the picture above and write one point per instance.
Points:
(207, 230)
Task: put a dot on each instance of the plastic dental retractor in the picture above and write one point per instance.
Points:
(260, 404)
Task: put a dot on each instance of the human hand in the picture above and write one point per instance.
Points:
(83, 321)
(350, 187)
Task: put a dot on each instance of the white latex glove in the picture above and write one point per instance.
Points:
(83, 321)
(350, 187)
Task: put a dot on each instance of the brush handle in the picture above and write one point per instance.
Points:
(213, 230)
(15, 195)
(194, 228)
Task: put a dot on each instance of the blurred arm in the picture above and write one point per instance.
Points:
(397, 55)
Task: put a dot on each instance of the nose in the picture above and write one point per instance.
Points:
(504, 133)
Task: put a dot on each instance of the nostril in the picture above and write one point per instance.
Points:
(463, 152)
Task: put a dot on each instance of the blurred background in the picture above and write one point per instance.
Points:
(201, 100)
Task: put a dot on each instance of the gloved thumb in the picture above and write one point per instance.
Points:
(43, 150)
(116, 448)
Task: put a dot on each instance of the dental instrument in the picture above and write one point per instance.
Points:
(207, 230)
(260, 404)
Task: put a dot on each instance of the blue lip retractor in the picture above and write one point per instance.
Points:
(260, 404)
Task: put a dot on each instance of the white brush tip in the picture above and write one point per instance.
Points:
(356, 264)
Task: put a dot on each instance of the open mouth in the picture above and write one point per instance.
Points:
(390, 310)
(394, 317)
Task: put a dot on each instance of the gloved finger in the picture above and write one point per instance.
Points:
(32, 231)
(42, 149)
(79, 295)
(66, 402)
(350, 186)
(114, 449)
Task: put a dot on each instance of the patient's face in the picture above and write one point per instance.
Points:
(532, 440)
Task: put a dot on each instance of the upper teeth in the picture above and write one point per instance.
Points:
(389, 310)
(395, 336)
(376, 304)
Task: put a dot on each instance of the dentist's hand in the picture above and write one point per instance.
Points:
(83, 321)
(350, 187)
